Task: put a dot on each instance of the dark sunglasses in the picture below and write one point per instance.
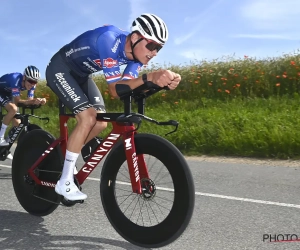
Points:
(31, 81)
(153, 45)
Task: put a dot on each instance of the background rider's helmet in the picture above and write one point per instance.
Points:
(151, 27)
(32, 72)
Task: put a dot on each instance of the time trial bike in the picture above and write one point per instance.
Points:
(17, 133)
(146, 186)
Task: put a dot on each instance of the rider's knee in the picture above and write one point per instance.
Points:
(11, 108)
(87, 118)
(101, 125)
(16, 122)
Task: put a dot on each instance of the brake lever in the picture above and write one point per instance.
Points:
(172, 123)
(176, 127)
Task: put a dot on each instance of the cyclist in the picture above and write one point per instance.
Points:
(105, 48)
(11, 85)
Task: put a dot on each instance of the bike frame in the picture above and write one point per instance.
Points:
(123, 128)
(4, 150)
(136, 163)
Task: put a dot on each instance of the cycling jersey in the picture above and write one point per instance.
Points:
(99, 49)
(11, 84)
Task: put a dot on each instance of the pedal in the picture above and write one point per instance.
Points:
(69, 203)
(79, 201)
(4, 153)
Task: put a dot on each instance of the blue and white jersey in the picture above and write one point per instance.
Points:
(11, 84)
(101, 49)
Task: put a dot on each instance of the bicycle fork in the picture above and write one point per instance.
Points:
(136, 164)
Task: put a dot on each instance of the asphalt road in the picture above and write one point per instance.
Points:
(238, 204)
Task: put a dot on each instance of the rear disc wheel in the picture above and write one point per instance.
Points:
(36, 199)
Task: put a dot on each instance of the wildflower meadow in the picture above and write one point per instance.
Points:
(228, 107)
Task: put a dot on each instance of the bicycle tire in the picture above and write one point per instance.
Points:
(27, 152)
(181, 212)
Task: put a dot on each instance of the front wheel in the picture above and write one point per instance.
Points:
(29, 128)
(159, 215)
(36, 199)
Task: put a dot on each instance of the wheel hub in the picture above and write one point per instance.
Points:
(148, 189)
(28, 180)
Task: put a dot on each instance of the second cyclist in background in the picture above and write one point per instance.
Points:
(11, 85)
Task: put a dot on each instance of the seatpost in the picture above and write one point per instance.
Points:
(62, 107)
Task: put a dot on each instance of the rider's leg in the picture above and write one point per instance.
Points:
(97, 129)
(16, 122)
(61, 80)
(92, 92)
(92, 140)
(11, 111)
(85, 122)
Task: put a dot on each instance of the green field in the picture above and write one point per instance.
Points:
(233, 107)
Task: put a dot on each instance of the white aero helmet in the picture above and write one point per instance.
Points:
(32, 73)
(151, 27)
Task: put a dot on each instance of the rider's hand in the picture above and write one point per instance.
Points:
(36, 101)
(174, 83)
(164, 78)
(42, 101)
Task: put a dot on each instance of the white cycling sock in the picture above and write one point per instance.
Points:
(2, 131)
(69, 165)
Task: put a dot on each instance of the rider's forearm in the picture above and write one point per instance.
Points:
(27, 102)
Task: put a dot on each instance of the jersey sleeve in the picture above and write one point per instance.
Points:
(108, 50)
(132, 71)
(30, 93)
(15, 83)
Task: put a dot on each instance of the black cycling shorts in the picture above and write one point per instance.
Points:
(77, 93)
(5, 98)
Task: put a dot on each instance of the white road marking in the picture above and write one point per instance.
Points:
(211, 195)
